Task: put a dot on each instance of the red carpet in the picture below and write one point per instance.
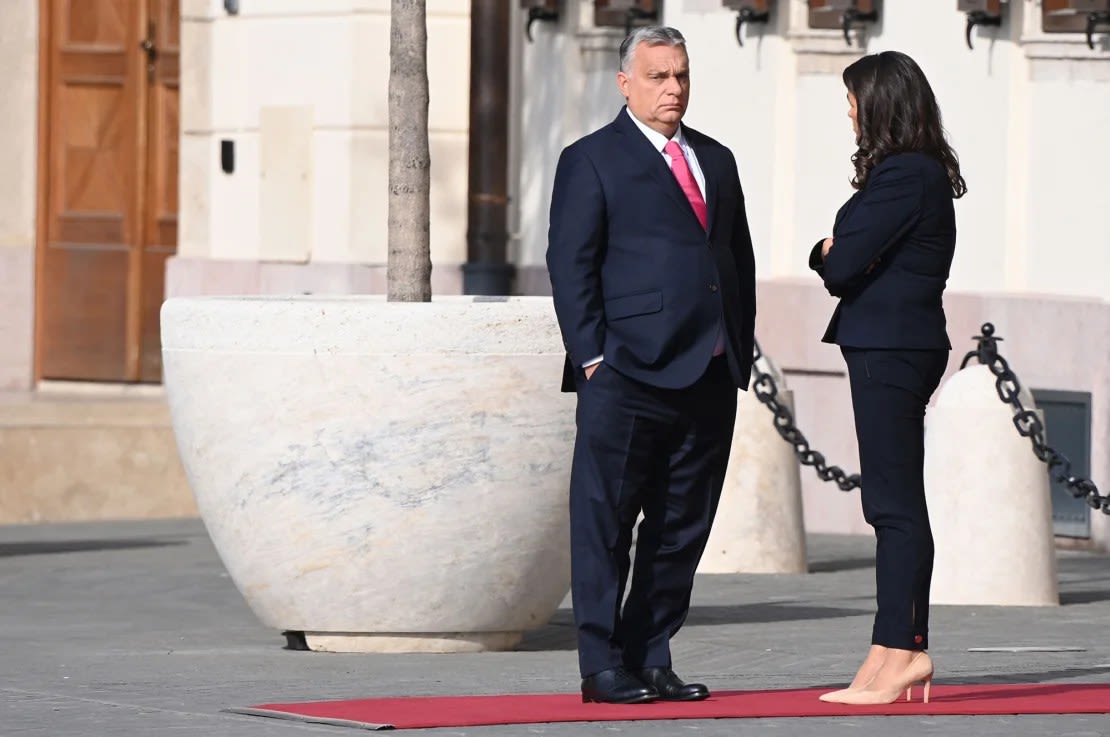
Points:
(467, 711)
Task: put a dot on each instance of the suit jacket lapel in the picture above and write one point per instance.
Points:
(712, 176)
(640, 148)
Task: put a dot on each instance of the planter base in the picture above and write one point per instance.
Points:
(417, 642)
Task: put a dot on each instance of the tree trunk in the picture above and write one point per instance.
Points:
(409, 270)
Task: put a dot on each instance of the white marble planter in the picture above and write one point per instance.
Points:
(381, 476)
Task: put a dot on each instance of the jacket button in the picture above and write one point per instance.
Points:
(713, 287)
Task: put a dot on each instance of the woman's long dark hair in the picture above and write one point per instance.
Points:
(897, 113)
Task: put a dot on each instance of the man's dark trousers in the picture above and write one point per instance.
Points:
(662, 451)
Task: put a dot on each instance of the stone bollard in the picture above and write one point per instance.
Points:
(759, 527)
(989, 501)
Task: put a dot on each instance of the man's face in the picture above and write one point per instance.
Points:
(657, 86)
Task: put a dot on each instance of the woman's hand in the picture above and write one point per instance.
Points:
(826, 246)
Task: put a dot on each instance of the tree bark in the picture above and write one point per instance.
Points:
(409, 269)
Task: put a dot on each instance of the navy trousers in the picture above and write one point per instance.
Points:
(663, 452)
(890, 390)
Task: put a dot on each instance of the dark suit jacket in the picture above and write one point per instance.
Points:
(903, 223)
(633, 273)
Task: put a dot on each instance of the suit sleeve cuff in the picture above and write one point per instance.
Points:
(816, 260)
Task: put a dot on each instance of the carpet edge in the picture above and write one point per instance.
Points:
(289, 716)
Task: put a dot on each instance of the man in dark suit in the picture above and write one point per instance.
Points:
(653, 278)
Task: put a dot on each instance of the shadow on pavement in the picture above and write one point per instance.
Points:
(559, 633)
(1084, 597)
(841, 564)
(1033, 677)
(47, 547)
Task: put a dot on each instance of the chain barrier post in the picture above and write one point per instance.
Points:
(759, 526)
(989, 501)
(1027, 422)
(766, 391)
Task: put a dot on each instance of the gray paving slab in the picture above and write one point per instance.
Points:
(129, 629)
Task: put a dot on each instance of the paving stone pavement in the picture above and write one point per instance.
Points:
(128, 629)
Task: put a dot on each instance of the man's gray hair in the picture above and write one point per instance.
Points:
(651, 35)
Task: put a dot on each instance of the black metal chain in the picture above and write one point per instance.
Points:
(767, 392)
(1027, 422)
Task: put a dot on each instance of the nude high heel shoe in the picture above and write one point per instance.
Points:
(839, 697)
(919, 670)
(836, 697)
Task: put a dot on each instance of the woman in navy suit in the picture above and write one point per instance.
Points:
(888, 261)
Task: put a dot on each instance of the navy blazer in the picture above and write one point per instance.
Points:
(634, 275)
(891, 255)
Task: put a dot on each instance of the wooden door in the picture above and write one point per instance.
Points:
(110, 190)
(159, 240)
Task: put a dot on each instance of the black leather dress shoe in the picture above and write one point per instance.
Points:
(670, 686)
(616, 686)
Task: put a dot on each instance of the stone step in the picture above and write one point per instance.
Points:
(72, 452)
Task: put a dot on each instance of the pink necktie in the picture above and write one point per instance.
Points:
(681, 171)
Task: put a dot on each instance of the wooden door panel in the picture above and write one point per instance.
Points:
(93, 161)
(90, 283)
(160, 208)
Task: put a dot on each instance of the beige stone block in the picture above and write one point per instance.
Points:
(370, 72)
(448, 7)
(234, 201)
(285, 183)
(192, 277)
(17, 304)
(369, 200)
(197, 74)
(448, 199)
(295, 61)
(233, 61)
(197, 166)
(298, 8)
(67, 460)
(202, 9)
(310, 278)
(18, 111)
(435, 7)
(333, 199)
(187, 277)
(449, 73)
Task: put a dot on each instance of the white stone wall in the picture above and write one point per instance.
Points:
(300, 86)
(18, 140)
(1028, 114)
